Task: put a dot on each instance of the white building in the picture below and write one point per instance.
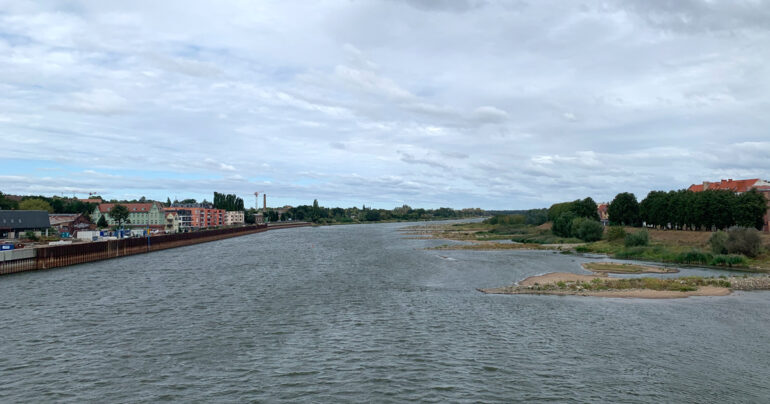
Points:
(234, 217)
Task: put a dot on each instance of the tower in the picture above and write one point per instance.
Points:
(256, 203)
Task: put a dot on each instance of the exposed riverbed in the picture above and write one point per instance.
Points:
(361, 314)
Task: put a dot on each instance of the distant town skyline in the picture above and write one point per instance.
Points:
(496, 105)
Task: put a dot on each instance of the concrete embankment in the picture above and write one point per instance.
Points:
(32, 259)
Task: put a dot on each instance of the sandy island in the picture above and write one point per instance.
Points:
(625, 268)
(563, 283)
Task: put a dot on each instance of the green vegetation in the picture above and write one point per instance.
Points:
(119, 213)
(35, 204)
(229, 202)
(615, 233)
(322, 215)
(640, 238)
(7, 204)
(577, 219)
(624, 210)
(102, 222)
(701, 210)
(30, 235)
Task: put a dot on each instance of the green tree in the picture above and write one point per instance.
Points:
(585, 208)
(750, 208)
(102, 222)
(587, 229)
(7, 204)
(562, 226)
(168, 202)
(35, 204)
(624, 209)
(119, 214)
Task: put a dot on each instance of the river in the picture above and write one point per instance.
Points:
(361, 313)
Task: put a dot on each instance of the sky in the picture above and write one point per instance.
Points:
(497, 105)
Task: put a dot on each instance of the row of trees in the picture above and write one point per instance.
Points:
(684, 209)
(50, 205)
(319, 214)
(229, 202)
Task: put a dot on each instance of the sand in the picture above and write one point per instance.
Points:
(625, 268)
(523, 287)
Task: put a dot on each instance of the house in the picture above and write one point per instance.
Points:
(150, 214)
(739, 187)
(14, 223)
(70, 222)
(604, 217)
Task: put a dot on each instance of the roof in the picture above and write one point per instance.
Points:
(132, 207)
(24, 219)
(728, 185)
(59, 218)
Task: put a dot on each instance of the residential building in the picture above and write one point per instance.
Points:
(172, 221)
(14, 223)
(234, 217)
(149, 214)
(604, 217)
(739, 187)
(203, 214)
(183, 218)
(70, 222)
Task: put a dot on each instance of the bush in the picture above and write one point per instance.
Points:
(718, 242)
(694, 257)
(30, 235)
(639, 238)
(743, 240)
(562, 226)
(587, 229)
(729, 260)
(615, 233)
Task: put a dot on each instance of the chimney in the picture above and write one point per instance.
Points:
(264, 201)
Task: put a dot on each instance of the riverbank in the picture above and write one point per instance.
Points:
(562, 283)
(32, 259)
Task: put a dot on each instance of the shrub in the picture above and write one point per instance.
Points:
(743, 240)
(30, 235)
(639, 238)
(729, 260)
(718, 242)
(587, 229)
(562, 226)
(694, 257)
(615, 233)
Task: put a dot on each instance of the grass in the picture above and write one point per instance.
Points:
(672, 253)
(623, 268)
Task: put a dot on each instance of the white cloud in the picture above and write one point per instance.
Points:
(499, 105)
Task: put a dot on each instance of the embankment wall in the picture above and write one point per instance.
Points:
(62, 255)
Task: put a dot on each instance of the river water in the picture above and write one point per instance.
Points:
(362, 314)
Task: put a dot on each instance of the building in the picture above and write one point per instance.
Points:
(172, 222)
(149, 214)
(14, 223)
(739, 187)
(183, 218)
(234, 217)
(202, 214)
(70, 222)
(604, 217)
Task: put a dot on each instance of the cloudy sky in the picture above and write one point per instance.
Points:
(498, 105)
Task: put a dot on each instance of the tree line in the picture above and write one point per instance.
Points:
(49, 204)
(229, 202)
(319, 214)
(685, 209)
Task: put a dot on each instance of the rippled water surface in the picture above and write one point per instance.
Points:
(362, 314)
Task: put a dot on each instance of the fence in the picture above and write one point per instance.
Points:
(71, 254)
